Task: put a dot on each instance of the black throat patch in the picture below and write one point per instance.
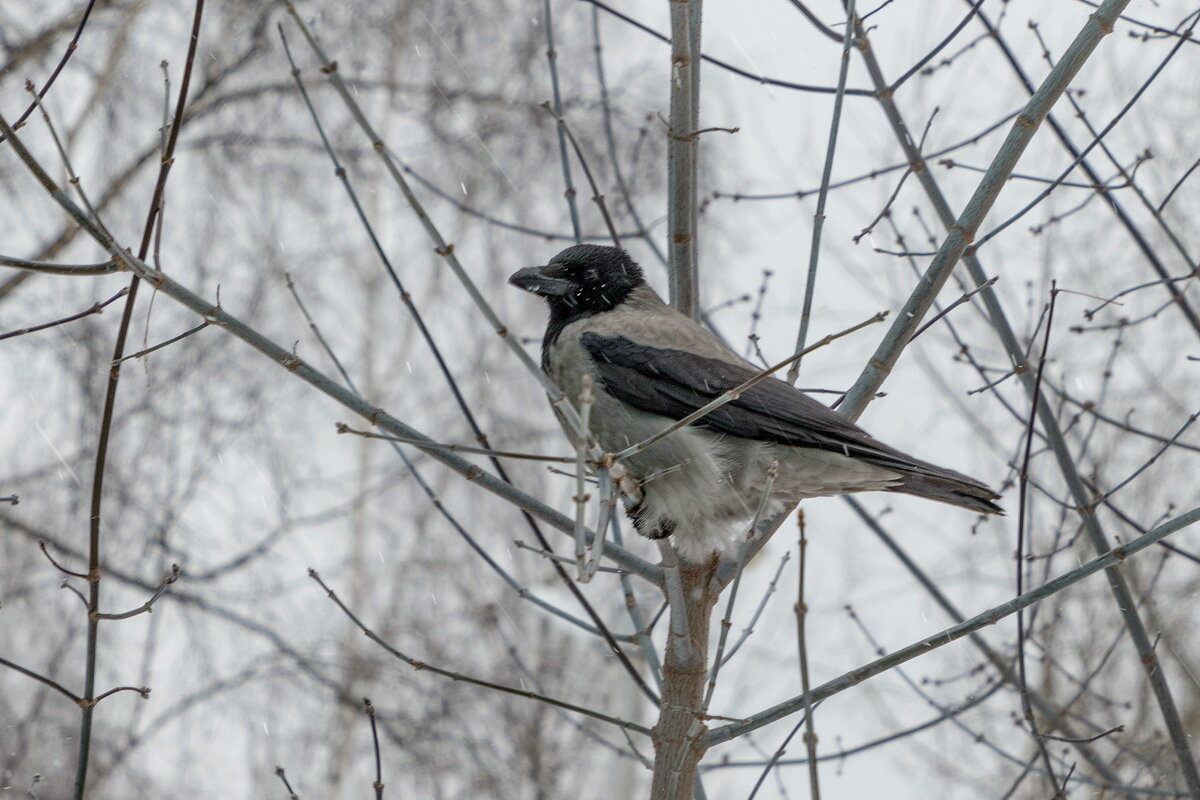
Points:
(561, 315)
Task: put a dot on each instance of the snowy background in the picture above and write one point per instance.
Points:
(230, 467)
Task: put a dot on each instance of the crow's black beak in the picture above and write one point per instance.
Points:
(541, 281)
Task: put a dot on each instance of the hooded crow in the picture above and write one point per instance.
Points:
(652, 366)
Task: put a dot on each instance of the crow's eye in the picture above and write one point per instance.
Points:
(591, 275)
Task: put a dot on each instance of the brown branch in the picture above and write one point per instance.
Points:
(369, 710)
(458, 676)
(62, 62)
(597, 197)
(283, 777)
(85, 722)
(161, 345)
(41, 679)
(95, 309)
(1022, 522)
(148, 606)
(59, 567)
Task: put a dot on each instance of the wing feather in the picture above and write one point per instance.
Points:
(674, 383)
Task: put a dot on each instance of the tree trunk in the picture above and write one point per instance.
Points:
(679, 733)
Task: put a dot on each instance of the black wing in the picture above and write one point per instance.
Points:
(674, 383)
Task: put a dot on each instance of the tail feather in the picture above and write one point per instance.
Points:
(953, 488)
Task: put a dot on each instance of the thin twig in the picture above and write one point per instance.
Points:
(1091, 312)
(915, 68)
(1178, 183)
(1131, 227)
(800, 194)
(945, 637)
(818, 25)
(506, 224)
(762, 80)
(814, 252)
(597, 196)
(557, 111)
(458, 676)
(956, 242)
(737, 391)
(962, 299)
(778, 754)
(142, 691)
(41, 679)
(72, 178)
(756, 317)
(762, 604)
(726, 621)
(283, 777)
(62, 62)
(642, 630)
(70, 588)
(95, 309)
(607, 507)
(156, 256)
(801, 609)
(846, 752)
(645, 762)
(369, 710)
(296, 366)
(455, 448)
(441, 246)
(1001, 663)
(90, 656)
(1097, 139)
(886, 211)
(161, 345)
(558, 400)
(1105, 186)
(1146, 465)
(1022, 507)
(611, 142)
(504, 575)
(520, 545)
(1088, 740)
(148, 606)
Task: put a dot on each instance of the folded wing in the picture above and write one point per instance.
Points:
(675, 383)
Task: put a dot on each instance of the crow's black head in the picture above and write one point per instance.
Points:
(582, 280)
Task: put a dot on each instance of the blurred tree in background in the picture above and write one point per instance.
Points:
(231, 468)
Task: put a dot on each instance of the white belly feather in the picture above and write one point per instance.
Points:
(706, 484)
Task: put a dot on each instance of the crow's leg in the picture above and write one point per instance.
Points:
(660, 531)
